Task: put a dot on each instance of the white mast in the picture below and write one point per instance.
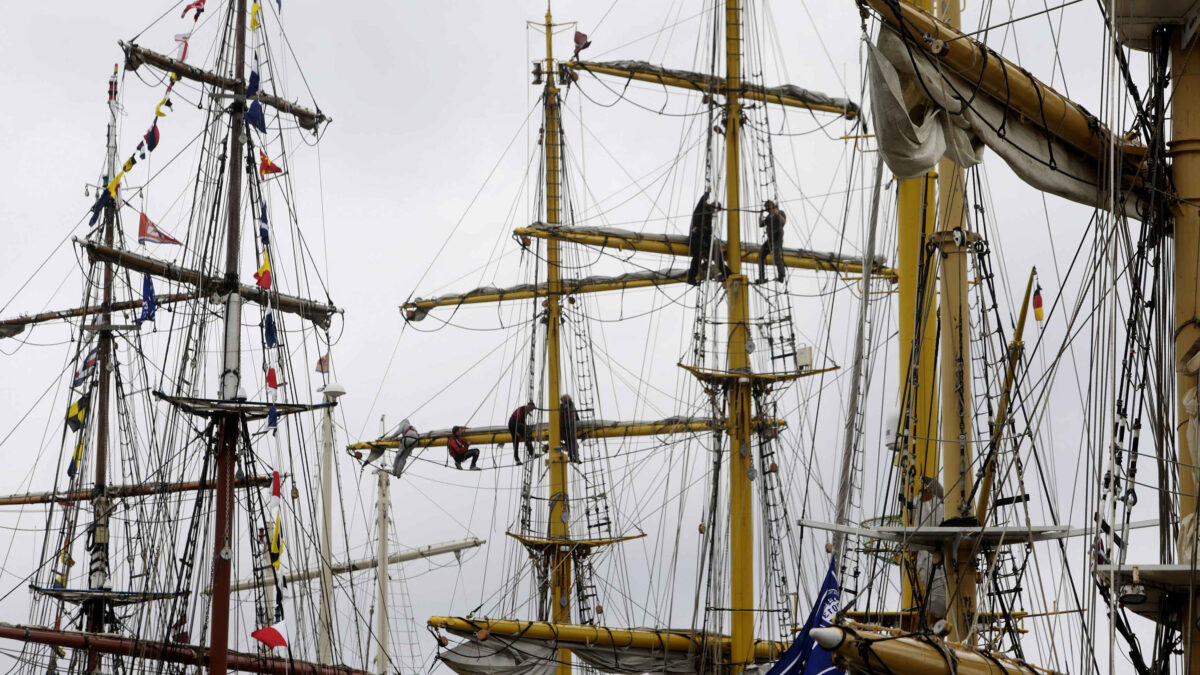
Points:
(332, 392)
(382, 662)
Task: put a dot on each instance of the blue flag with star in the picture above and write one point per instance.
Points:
(805, 657)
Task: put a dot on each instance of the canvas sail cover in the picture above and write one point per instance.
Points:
(500, 655)
(922, 114)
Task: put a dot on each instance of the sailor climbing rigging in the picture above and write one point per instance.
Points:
(700, 240)
(774, 221)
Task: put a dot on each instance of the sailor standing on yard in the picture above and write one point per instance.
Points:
(408, 436)
(774, 220)
(700, 240)
(518, 428)
(568, 427)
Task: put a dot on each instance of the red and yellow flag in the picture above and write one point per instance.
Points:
(263, 275)
(1037, 304)
(266, 166)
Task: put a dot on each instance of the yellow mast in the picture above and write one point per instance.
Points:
(958, 479)
(741, 646)
(1185, 151)
(558, 560)
(741, 510)
(916, 214)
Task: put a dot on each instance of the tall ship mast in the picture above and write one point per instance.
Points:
(944, 530)
(741, 388)
(730, 423)
(190, 524)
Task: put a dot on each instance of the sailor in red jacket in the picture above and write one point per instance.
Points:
(460, 451)
(518, 428)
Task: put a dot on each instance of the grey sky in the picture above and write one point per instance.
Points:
(426, 97)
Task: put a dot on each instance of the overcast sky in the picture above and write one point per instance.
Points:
(414, 190)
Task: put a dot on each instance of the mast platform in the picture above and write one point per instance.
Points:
(539, 543)
(117, 598)
(1164, 589)
(251, 410)
(709, 376)
(933, 538)
(1136, 20)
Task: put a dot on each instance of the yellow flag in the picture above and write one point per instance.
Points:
(276, 543)
(114, 184)
(254, 11)
(158, 108)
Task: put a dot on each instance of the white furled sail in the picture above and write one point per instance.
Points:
(925, 112)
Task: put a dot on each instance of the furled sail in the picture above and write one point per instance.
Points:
(924, 112)
(476, 658)
(679, 652)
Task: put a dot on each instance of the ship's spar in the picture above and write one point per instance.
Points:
(931, 211)
(935, 37)
(226, 412)
(736, 380)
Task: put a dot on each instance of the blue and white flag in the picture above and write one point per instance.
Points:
(149, 302)
(805, 657)
(255, 117)
(264, 228)
(252, 85)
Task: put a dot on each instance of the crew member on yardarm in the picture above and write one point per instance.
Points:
(518, 428)
(773, 220)
(568, 427)
(460, 451)
(408, 437)
(700, 240)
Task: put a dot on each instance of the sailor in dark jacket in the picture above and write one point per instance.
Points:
(773, 221)
(700, 240)
(568, 427)
(518, 428)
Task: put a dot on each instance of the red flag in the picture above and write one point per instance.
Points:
(197, 5)
(266, 166)
(272, 378)
(323, 364)
(272, 636)
(148, 232)
(581, 43)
